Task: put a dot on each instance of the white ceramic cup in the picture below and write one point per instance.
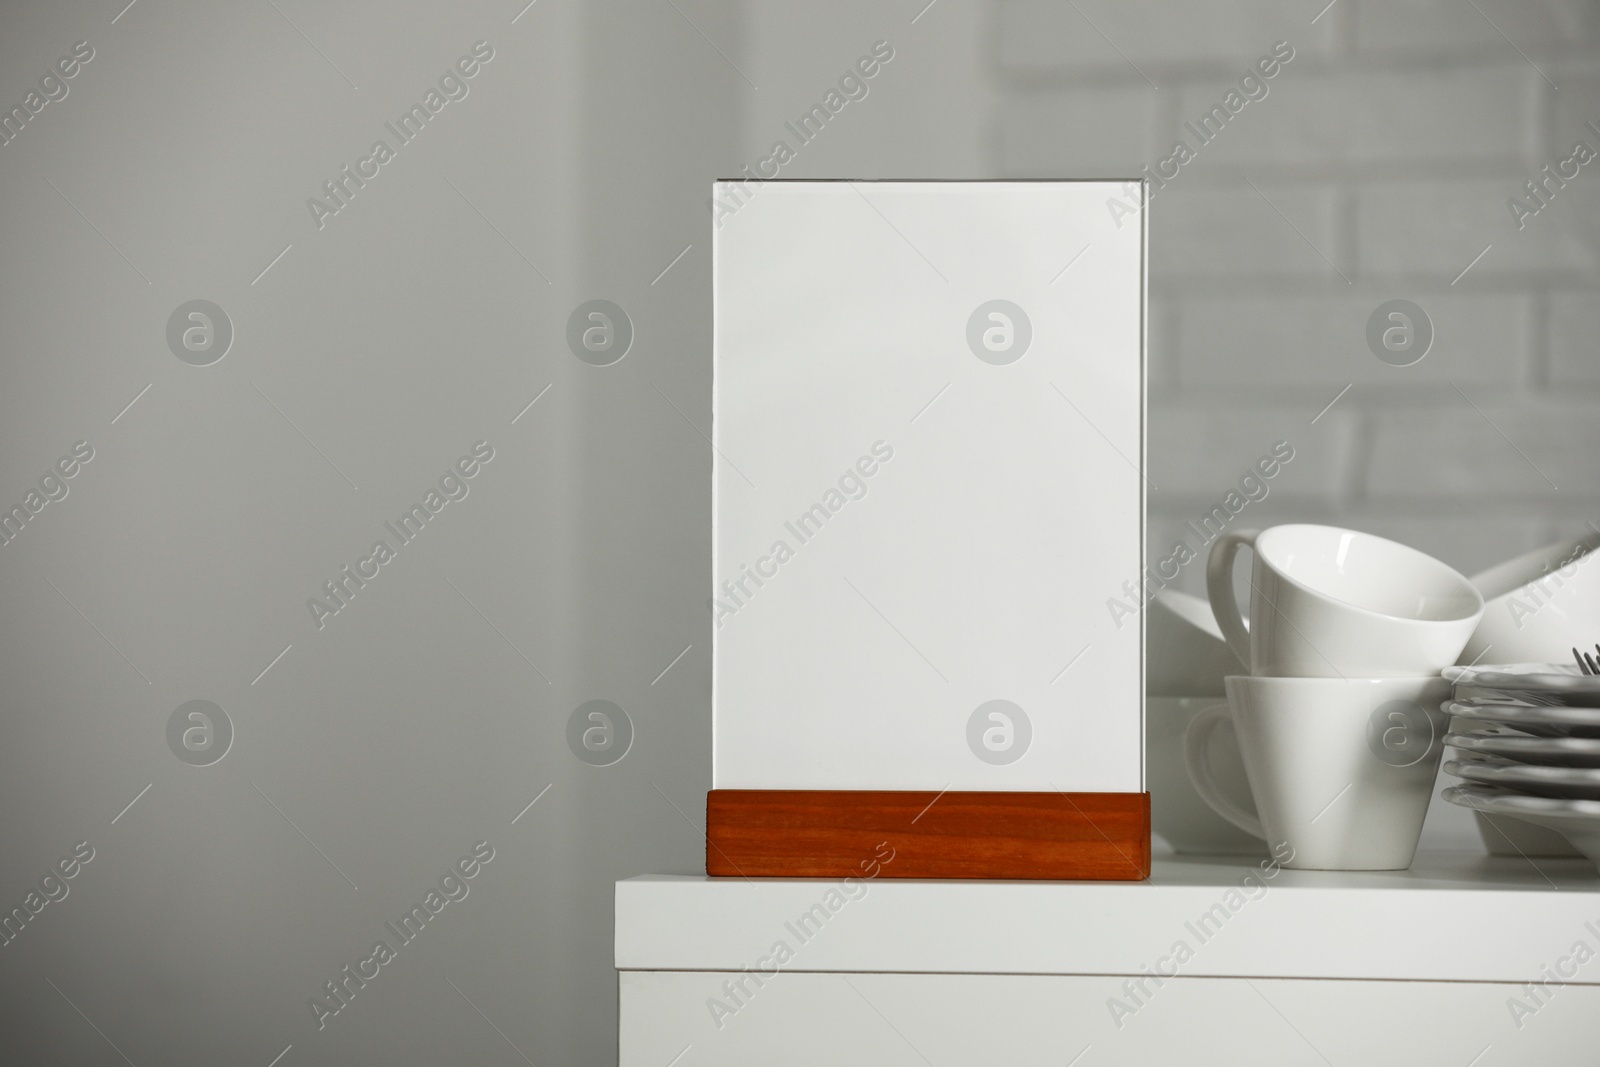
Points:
(1328, 602)
(1341, 769)
(1177, 812)
(1539, 606)
(1185, 653)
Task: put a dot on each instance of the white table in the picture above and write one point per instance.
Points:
(1418, 967)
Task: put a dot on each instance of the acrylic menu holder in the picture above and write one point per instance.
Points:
(929, 408)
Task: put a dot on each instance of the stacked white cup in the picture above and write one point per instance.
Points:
(1339, 718)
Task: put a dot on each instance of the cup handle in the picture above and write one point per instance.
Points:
(1219, 589)
(1194, 755)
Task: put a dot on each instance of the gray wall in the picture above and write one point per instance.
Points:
(425, 715)
(426, 314)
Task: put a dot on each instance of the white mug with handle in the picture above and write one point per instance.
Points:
(1328, 602)
(1340, 770)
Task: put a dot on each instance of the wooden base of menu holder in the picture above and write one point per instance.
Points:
(830, 833)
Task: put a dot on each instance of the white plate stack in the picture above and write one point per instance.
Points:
(1527, 744)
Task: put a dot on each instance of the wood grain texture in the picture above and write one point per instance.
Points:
(791, 833)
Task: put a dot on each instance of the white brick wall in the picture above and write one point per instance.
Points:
(1049, 36)
(1289, 341)
(1078, 128)
(1198, 452)
(1389, 146)
(1527, 454)
(1445, 28)
(1575, 339)
(1576, 105)
(1205, 232)
(1350, 119)
(1437, 227)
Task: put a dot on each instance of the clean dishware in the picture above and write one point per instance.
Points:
(1527, 748)
(1177, 812)
(1545, 720)
(1185, 654)
(1341, 769)
(1330, 602)
(1574, 783)
(1535, 717)
(1576, 820)
(1506, 835)
(1538, 605)
(1533, 683)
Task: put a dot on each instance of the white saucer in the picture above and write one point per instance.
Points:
(1527, 748)
(1576, 783)
(1539, 719)
(1558, 680)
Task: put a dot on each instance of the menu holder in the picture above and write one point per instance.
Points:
(929, 427)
